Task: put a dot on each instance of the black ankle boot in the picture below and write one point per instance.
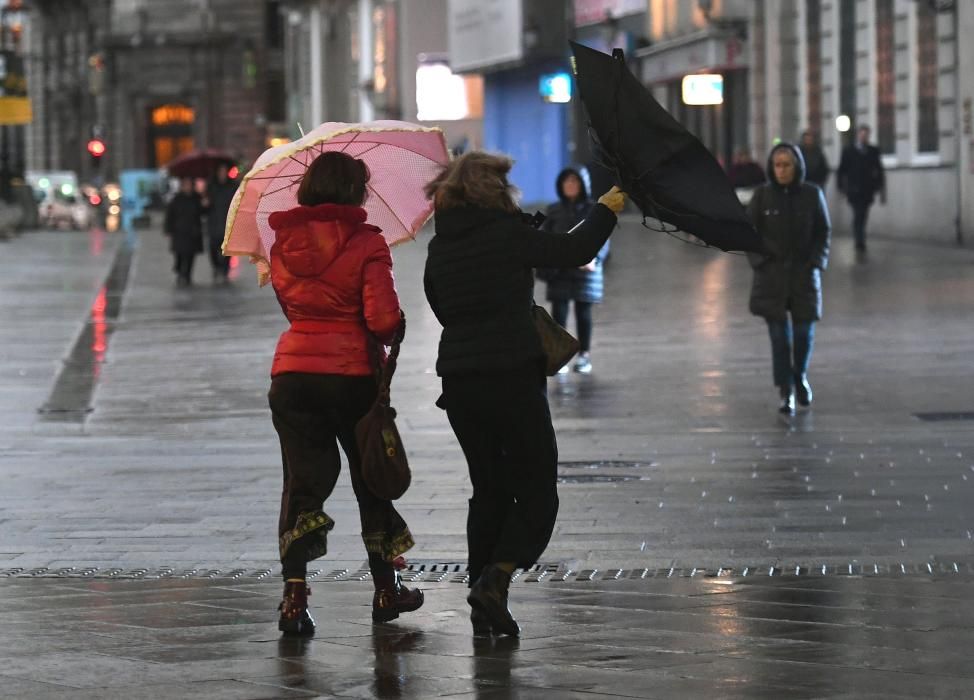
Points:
(787, 401)
(295, 618)
(489, 595)
(392, 598)
(803, 391)
(479, 622)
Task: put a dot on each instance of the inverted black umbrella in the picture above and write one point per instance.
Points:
(664, 169)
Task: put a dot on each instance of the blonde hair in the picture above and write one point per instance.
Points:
(474, 179)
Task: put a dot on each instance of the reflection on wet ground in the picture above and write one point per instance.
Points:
(70, 398)
(798, 637)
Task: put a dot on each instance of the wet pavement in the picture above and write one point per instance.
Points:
(141, 472)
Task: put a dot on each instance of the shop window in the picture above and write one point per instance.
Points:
(813, 58)
(847, 58)
(885, 76)
(928, 133)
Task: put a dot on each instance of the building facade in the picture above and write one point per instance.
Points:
(894, 65)
(152, 80)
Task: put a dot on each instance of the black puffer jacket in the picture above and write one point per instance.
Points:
(480, 284)
(572, 283)
(794, 225)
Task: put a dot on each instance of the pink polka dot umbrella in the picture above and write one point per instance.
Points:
(401, 157)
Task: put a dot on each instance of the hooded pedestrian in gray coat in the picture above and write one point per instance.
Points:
(793, 219)
(581, 285)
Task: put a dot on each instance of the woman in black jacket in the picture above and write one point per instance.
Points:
(479, 282)
(581, 285)
(184, 226)
(793, 220)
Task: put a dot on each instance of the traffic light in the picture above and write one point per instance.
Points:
(96, 149)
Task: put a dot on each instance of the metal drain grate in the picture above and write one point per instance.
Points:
(583, 472)
(934, 416)
(456, 572)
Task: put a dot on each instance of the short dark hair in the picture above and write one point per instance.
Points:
(334, 178)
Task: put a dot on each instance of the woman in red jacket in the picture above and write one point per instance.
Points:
(332, 274)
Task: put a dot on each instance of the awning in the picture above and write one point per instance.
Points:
(705, 51)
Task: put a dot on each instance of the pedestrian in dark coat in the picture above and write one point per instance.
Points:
(184, 226)
(861, 177)
(332, 273)
(479, 282)
(582, 285)
(219, 194)
(793, 220)
(816, 164)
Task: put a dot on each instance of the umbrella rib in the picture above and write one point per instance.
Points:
(350, 141)
(280, 189)
(391, 210)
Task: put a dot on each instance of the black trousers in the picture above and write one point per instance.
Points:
(314, 414)
(860, 214)
(583, 320)
(220, 262)
(503, 425)
(183, 265)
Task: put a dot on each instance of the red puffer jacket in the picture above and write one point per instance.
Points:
(332, 273)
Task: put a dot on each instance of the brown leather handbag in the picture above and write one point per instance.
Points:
(385, 468)
(559, 345)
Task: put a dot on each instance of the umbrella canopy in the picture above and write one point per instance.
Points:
(200, 163)
(401, 157)
(664, 169)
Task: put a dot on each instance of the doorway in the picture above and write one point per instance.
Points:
(170, 133)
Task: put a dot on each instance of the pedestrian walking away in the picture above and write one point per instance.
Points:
(219, 194)
(332, 273)
(184, 226)
(816, 163)
(793, 221)
(579, 285)
(479, 281)
(861, 177)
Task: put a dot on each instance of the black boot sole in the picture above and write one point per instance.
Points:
(500, 623)
(296, 628)
(393, 613)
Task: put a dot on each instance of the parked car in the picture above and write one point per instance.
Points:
(60, 201)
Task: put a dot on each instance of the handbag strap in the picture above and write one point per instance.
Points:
(384, 371)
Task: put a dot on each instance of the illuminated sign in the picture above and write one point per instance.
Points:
(703, 89)
(556, 87)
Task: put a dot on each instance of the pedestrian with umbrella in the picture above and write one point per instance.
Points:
(793, 219)
(219, 194)
(581, 285)
(184, 226)
(306, 214)
(479, 283)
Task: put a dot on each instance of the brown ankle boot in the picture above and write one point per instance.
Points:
(489, 595)
(295, 618)
(392, 598)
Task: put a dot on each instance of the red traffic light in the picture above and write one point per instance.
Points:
(96, 147)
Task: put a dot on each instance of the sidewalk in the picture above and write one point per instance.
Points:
(827, 637)
(137, 543)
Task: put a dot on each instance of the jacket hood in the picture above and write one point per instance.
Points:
(308, 239)
(560, 183)
(458, 220)
(799, 165)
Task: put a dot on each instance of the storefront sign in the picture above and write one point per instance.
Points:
(484, 33)
(703, 89)
(15, 106)
(595, 11)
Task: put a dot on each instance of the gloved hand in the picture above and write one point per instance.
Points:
(614, 199)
